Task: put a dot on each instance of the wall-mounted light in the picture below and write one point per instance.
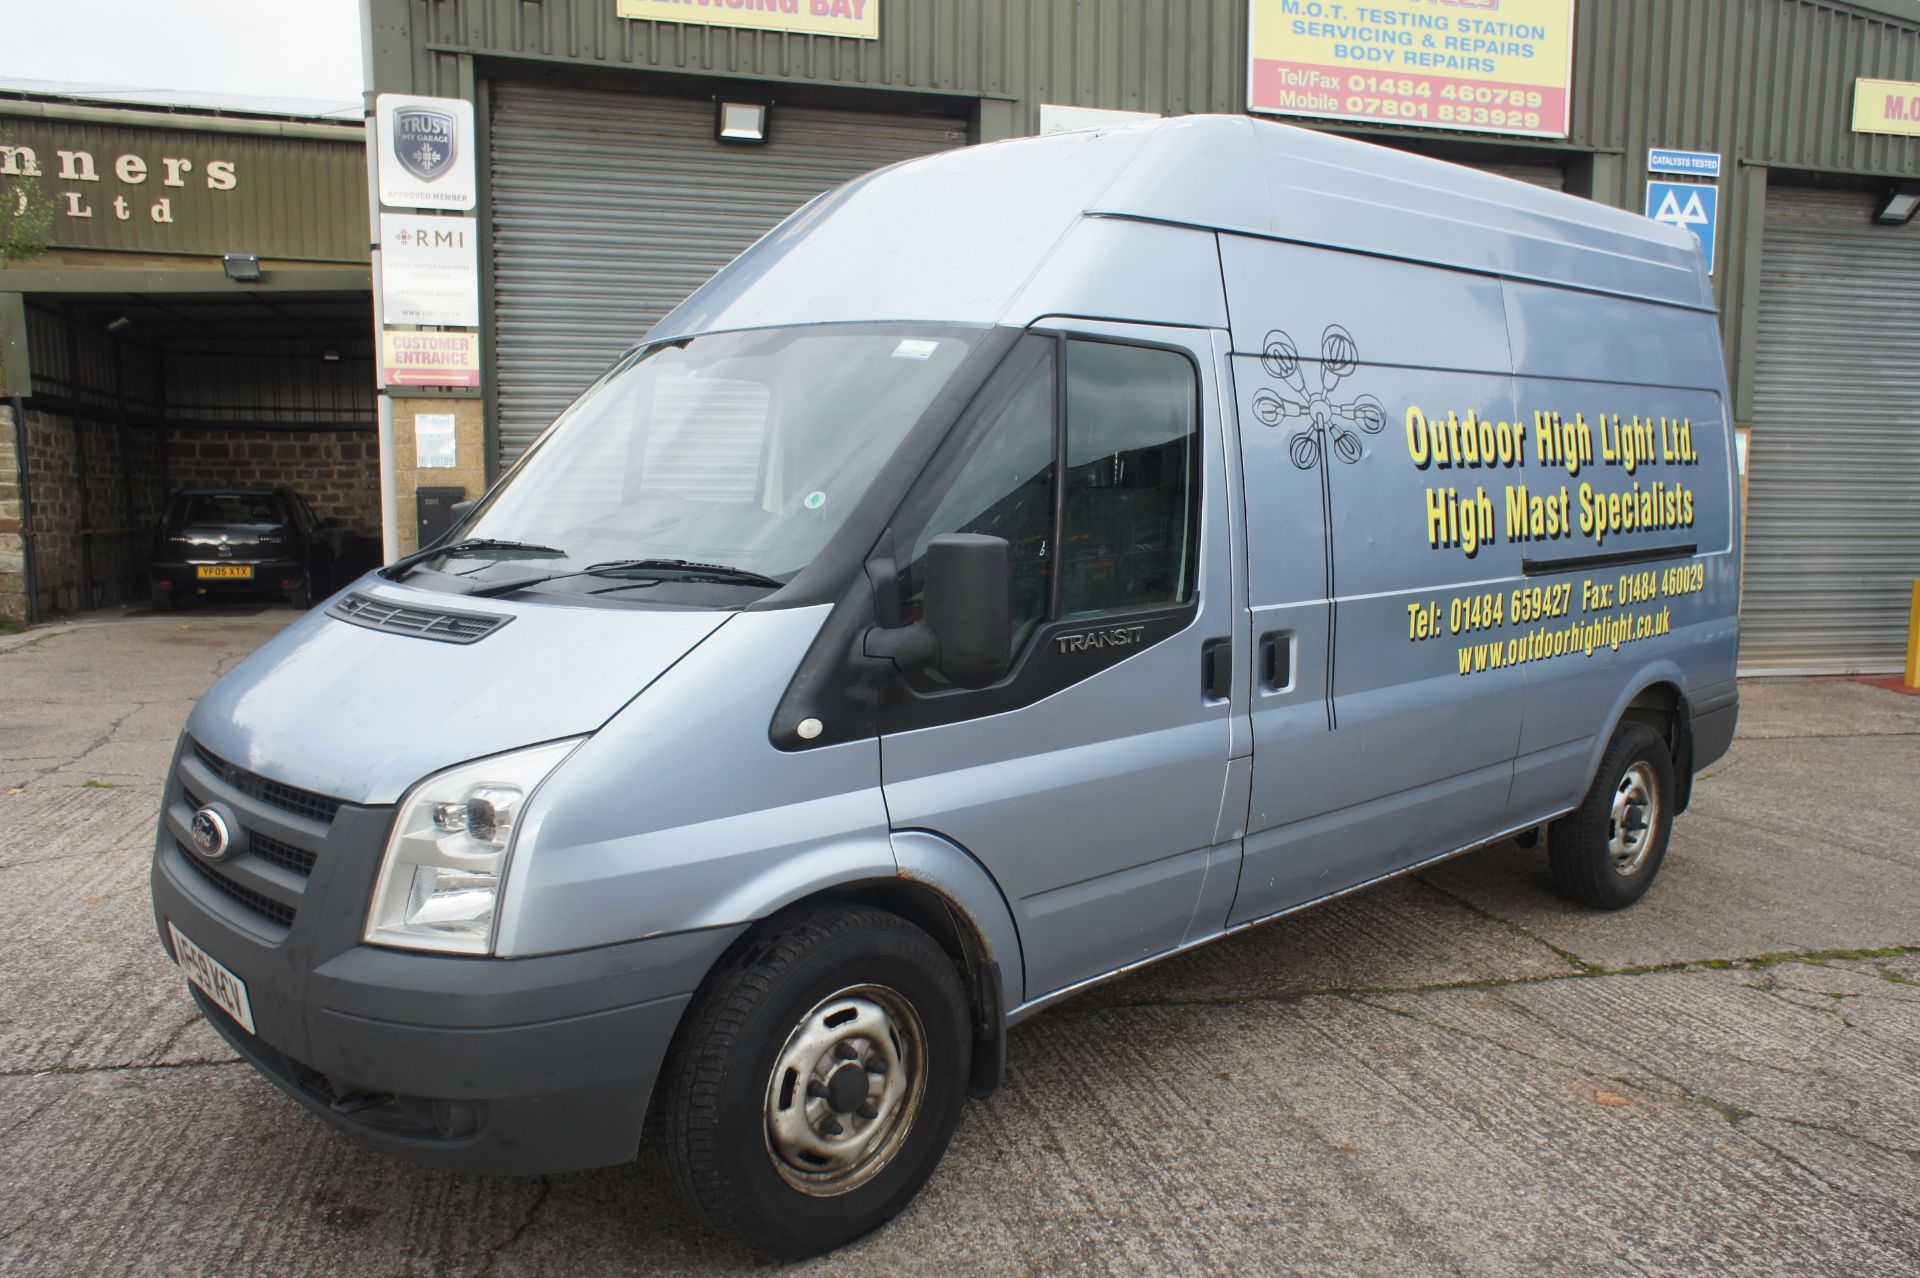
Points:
(329, 357)
(743, 122)
(115, 325)
(1901, 205)
(242, 268)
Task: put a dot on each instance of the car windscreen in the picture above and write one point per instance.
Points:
(225, 508)
(744, 449)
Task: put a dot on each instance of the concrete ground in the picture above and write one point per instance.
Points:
(1457, 1073)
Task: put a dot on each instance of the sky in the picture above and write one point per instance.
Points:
(267, 48)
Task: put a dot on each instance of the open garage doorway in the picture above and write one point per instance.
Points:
(137, 397)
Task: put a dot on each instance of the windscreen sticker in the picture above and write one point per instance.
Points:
(815, 500)
(915, 348)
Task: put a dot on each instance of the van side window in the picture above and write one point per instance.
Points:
(1005, 489)
(1128, 515)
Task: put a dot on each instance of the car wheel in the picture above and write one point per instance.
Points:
(1606, 852)
(301, 596)
(816, 1079)
(164, 599)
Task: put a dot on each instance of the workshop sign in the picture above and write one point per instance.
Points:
(1483, 66)
(856, 19)
(1886, 106)
(187, 191)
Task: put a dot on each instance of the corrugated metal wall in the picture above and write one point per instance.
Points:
(1172, 56)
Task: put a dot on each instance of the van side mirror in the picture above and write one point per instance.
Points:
(460, 508)
(964, 632)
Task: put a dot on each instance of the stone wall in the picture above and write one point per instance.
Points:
(130, 471)
(102, 559)
(337, 471)
(13, 551)
(469, 469)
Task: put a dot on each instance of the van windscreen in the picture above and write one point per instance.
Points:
(747, 449)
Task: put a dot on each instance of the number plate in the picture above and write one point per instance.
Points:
(213, 979)
(242, 572)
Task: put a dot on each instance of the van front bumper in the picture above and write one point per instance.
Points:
(498, 1066)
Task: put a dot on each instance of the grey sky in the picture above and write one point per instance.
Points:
(269, 48)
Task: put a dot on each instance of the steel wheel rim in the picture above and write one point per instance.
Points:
(845, 1090)
(1634, 818)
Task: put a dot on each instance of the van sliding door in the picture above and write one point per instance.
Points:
(1383, 731)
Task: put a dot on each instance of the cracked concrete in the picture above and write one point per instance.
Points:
(1456, 1073)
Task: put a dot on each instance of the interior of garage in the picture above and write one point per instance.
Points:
(134, 396)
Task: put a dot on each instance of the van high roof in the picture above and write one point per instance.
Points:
(1008, 232)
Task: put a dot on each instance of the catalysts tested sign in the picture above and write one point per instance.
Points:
(1483, 66)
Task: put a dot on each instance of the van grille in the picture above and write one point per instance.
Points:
(299, 860)
(421, 623)
(314, 807)
(265, 906)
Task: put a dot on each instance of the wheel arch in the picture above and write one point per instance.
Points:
(935, 885)
(1657, 697)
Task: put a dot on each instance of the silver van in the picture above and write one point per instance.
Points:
(1022, 564)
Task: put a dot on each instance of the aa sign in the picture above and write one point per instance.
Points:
(1689, 206)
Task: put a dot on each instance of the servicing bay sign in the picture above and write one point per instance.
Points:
(1482, 66)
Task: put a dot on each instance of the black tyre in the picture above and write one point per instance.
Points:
(301, 596)
(816, 1079)
(1606, 852)
(164, 599)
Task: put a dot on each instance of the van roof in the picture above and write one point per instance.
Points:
(963, 235)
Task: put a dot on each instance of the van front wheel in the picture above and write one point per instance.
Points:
(816, 1079)
(1606, 852)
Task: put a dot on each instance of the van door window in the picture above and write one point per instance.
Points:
(1005, 489)
(1127, 531)
(1110, 528)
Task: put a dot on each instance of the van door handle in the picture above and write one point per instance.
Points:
(1276, 660)
(1216, 669)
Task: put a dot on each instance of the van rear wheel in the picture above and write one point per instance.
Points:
(816, 1079)
(1606, 852)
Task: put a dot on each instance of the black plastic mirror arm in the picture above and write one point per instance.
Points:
(911, 647)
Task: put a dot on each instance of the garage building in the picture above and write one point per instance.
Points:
(189, 304)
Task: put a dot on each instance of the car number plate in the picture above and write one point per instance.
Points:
(211, 571)
(213, 979)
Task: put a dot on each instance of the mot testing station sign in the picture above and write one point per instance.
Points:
(429, 270)
(425, 151)
(854, 19)
(1690, 206)
(1484, 66)
(1886, 106)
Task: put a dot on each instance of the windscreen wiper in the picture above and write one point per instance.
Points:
(473, 546)
(688, 570)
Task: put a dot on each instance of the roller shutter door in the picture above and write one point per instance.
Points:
(1833, 519)
(609, 208)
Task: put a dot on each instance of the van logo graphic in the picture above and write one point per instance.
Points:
(1323, 426)
(424, 141)
(1325, 423)
(209, 833)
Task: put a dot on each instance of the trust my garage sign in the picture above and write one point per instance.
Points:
(1481, 66)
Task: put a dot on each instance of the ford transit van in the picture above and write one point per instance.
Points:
(1022, 564)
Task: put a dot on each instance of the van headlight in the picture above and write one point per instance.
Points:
(447, 856)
